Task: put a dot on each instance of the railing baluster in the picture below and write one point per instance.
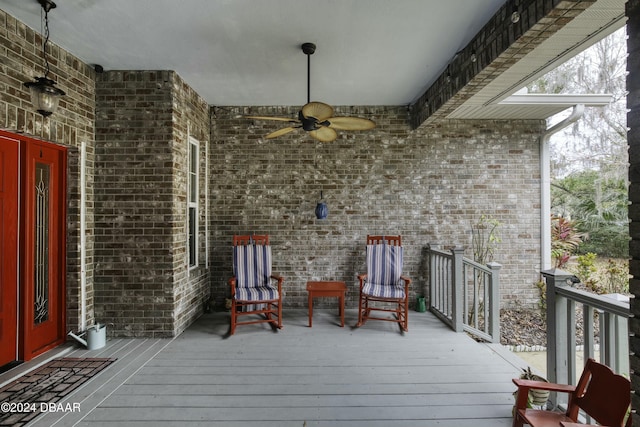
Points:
(588, 332)
(465, 295)
(473, 295)
(622, 344)
(571, 334)
(607, 335)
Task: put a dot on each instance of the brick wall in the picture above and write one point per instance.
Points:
(73, 124)
(430, 185)
(135, 205)
(633, 138)
(191, 286)
(143, 284)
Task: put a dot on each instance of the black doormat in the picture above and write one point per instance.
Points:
(40, 390)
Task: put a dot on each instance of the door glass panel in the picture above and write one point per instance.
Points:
(41, 256)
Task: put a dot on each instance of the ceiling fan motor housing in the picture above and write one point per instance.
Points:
(308, 48)
(308, 123)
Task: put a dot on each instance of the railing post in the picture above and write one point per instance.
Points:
(494, 302)
(458, 290)
(557, 328)
(432, 276)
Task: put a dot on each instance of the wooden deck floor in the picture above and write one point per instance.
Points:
(324, 376)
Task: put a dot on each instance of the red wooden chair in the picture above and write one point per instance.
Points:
(253, 291)
(600, 393)
(383, 288)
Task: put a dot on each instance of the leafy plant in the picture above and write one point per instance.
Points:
(617, 276)
(586, 270)
(485, 237)
(599, 204)
(565, 240)
(542, 290)
(536, 398)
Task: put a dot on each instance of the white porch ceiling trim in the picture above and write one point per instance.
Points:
(530, 106)
(498, 100)
(569, 100)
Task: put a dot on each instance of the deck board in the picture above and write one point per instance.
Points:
(326, 375)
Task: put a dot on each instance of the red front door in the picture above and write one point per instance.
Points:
(32, 249)
(9, 154)
(43, 252)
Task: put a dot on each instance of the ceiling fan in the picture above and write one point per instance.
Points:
(317, 117)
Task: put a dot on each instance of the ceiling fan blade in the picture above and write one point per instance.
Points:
(280, 132)
(280, 119)
(319, 110)
(324, 134)
(351, 123)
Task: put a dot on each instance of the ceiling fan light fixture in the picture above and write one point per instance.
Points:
(45, 96)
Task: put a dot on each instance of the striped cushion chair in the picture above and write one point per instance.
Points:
(253, 291)
(383, 288)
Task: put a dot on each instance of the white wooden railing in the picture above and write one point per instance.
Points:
(604, 317)
(465, 294)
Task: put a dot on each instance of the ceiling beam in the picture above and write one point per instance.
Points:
(499, 45)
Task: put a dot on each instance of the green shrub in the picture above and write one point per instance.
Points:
(610, 241)
(617, 276)
(586, 269)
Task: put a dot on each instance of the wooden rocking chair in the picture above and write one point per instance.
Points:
(600, 393)
(384, 288)
(252, 290)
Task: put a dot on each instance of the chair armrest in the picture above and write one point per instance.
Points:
(541, 385)
(279, 278)
(406, 280)
(522, 394)
(362, 278)
(568, 424)
(232, 285)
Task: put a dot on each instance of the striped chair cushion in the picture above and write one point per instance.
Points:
(383, 291)
(384, 267)
(261, 293)
(252, 266)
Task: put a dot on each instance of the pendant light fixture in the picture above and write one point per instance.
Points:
(44, 95)
(322, 210)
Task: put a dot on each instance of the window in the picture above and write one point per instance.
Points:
(193, 203)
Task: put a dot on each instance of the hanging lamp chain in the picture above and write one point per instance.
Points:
(308, 78)
(46, 7)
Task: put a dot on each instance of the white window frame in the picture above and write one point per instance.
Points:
(193, 205)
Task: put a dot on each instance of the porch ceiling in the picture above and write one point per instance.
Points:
(246, 52)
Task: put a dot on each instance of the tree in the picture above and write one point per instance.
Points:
(589, 160)
(599, 205)
(598, 140)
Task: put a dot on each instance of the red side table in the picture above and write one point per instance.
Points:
(327, 289)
